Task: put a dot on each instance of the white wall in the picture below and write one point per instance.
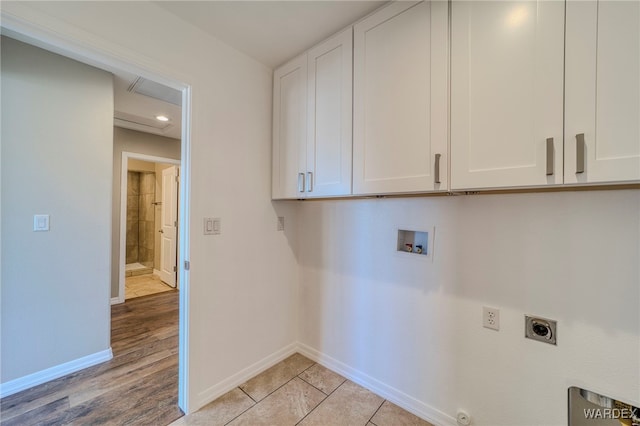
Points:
(414, 326)
(239, 315)
(125, 140)
(55, 285)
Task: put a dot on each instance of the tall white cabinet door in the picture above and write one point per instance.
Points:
(602, 128)
(400, 99)
(329, 140)
(506, 93)
(289, 129)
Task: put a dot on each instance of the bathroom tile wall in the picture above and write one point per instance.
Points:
(146, 222)
(133, 192)
(140, 218)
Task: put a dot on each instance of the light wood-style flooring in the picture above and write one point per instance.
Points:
(139, 386)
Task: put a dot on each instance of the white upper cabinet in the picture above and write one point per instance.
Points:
(602, 127)
(506, 93)
(289, 128)
(329, 140)
(400, 99)
(312, 119)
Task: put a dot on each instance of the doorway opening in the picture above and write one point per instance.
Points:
(148, 225)
(116, 61)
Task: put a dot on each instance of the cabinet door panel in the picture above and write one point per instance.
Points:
(603, 91)
(394, 100)
(329, 137)
(506, 93)
(289, 128)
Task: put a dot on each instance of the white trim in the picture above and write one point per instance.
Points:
(394, 395)
(184, 214)
(117, 300)
(126, 155)
(57, 36)
(28, 381)
(242, 376)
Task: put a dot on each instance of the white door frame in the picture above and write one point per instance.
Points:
(123, 214)
(84, 47)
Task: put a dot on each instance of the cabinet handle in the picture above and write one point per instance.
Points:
(550, 156)
(580, 153)
(301, 183)
(310, 179)
(436, 169)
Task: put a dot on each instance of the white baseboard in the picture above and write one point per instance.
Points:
(117, 300)
(26, 382)
(394, 395)
(242, 376)
(156, 272)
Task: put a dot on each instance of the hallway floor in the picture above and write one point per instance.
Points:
(297, 391)
(144, 285)
(139, 386)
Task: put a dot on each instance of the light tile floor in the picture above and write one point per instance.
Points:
(298, 391)
(144, 285)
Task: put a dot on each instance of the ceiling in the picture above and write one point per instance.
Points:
(137, 111)
(269, 31)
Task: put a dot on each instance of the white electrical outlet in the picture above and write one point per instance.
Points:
(491, 318)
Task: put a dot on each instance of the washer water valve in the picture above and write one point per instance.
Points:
(463, 418)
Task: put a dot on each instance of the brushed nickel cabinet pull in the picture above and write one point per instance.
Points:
(436, 169)
(550, 153)
(580, 153)
(301, 183)
(310, 180)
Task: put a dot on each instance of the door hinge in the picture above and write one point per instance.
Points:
(175, 223)
(177, 179)
(174, 269)
(187, 265)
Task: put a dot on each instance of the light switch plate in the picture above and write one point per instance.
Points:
(212, 226)
(40, 222)
(208, 226)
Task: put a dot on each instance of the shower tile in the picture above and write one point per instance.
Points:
(132, 232)
(132, 254)
(133, 183)
(132, 207)
(146, 208)
(148, 183)
(142, 253)
(149, 235)
(132, 203)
